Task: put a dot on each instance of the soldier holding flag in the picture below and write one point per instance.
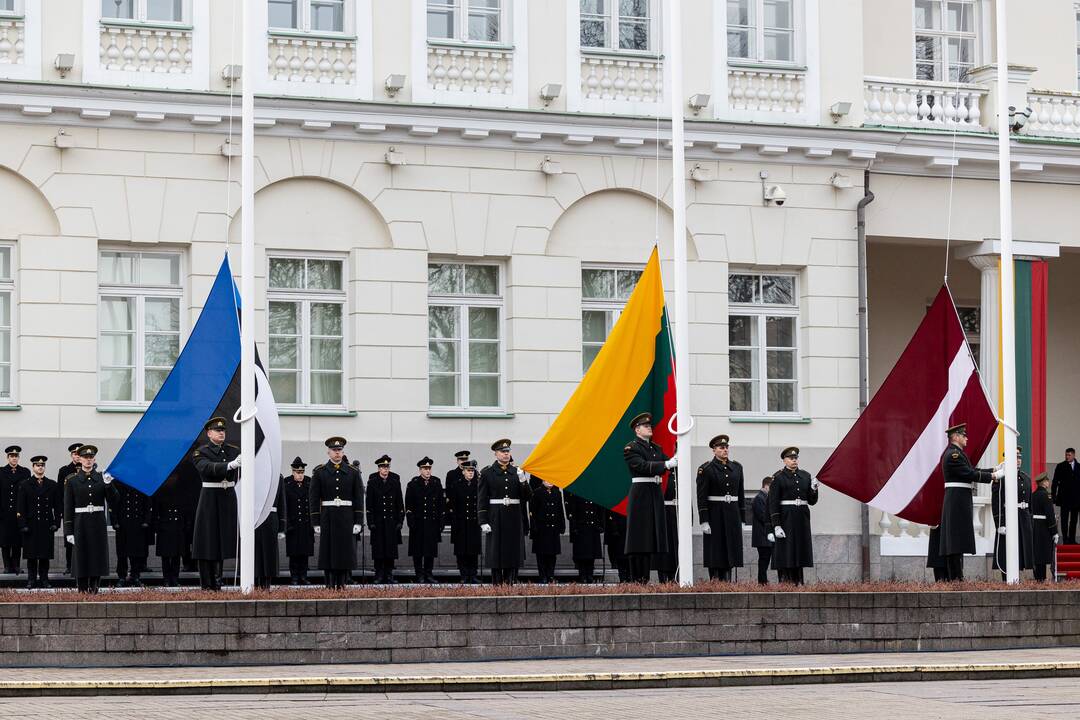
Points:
(957, 510)
(646, 519)
(215, 537)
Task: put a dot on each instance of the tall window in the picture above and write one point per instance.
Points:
(306, 298)
(7, 6)
(944, 40)
(138, 324)
(168, 11)
(321, 16)
(761, 30)
(618, 24)
(464, 336)
(1076, 9)
(7, 295)
(763, 343)
(604, 292)
(466, 20)
(971, 321)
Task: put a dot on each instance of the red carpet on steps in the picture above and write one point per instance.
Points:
(1068, 561)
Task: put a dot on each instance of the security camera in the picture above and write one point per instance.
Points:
(775, 194)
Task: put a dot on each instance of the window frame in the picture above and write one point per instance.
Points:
(140, 12)
(140, 292)
(303, 20)
(761, 311)
(757, 26)
(614, 306)
(942, 65)
(461, 24)
(463, 302)
(10, 285)
(1076, 30)
(307, 296)
(16, 11)
(612, 17)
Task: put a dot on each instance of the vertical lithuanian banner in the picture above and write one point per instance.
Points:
(633, 373)
(1031, 308)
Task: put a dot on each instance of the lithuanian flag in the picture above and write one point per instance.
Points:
(633, 373)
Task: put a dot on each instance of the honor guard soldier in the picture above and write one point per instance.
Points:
(85, 496)
(11, 477)
(502, 490)
(790, 496)
(299, 532)
(131, 517)
(1044, 532)
(40, 513)
(215, 536)
(170, 533)
(452, 476)
(425, 506)
(462, 517)
(267, 535)
(337, 512)
(1023, 517)
(721, 507)
(615, 539)
(934, 560)
(547, 523)
(761, 534)
(957, 510)
(646, 518)
(61, 479)
(667, 563)
(586, 521)
(385, 515)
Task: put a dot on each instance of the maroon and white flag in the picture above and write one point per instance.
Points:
(891, 457)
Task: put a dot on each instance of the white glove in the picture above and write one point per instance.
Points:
(1055, 539)
(673, 462)
(107, 478)
(706, 528)
(771, 537)
(356, 529)
(71, 539)
(1001, 530)
(233, 464)
(814, 484)
(318, 530)
(998, 473)
(485, 528)
(281, 536)
(779, 532)
(523, 476)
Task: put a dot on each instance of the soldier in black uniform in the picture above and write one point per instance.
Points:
(299, 533)
(337, 513)
(131, 516)
(1023, 516)
(1044, 532)
(646, 519)
(461, 516)
(586, 521)
(452, 476)
(957, 510)
(667, 563)
(547, 523)
(215, 538)
(385, 515)
(791, 494)
(761, 534)
(502, 491)
(11, 477)
(425, 506)
(40, 513)
(615, 539)
(267, 535)
(721, 505)
(61, 479)
(85, 497)
(170, 534)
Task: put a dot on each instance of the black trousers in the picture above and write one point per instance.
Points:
(640, 567)
(764, 557)
(791, 575)
(586, 570)
(423, 567)
(68, 548)
(136, 566)
(170, 570)
(545, 567)
(954, 567)
(298, 567)
(37, 570)
(721, 574)
(337, 579)
(504, 576)
(467, 567)
(209, 574)
(1039, 571)
(12, 558)
(88, 585)
(1069, 517)
(941, 574)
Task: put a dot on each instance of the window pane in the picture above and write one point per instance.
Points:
(778, 14)
(445, 279)
(781, 397)
(326, 319)
(743, 396)
(928, 14)
(634, 8)
(742, 364)
(742, 331)
(286, 273)
(120, 9)
(961, 50)
(594, 7)
(743, 289)
(739, 12)
(327, 15)
(116, 268)
(484, 26)
(442, 321)
(325, 354)
(5, 346)
(634, 35)
(161, 350)
(597, 284)
(483, 391)
(594, 324)
(7, 5)
(780, 364)
(593, 32)
(284, 353)
(5, 260)
(282, 14)
(440, 22)
(5, 309)
(159, 270)
(165, 10)
(588, 354)
(927, 48)
(442, 357)
(740, 44)
(116, 385)
(481, 280)
(926, 71)
(778, 290)
(117, 313)
(780, 332)
(442, 391)
(5, 382)
(961, 16)
(484, 357)
(154, 380)
(116, 350)
(284, 318)
(483, 323)
(162, 314)
(285, 387)
(326, 389)
(324, 274)
(778, 45)
(627, 280)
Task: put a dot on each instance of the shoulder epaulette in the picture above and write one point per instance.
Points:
(317, 467)
(234, 447)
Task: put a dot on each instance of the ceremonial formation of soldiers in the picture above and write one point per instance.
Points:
(489, 512)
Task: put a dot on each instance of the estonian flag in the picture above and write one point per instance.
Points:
(204, 382)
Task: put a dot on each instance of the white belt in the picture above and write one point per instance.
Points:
(671, 502)
(506, 501)
(273, 509)
(794, 502)
(1038, 517)
(90, 508)
(965, 486)
(222, 485)
(722, 498)
(655, 479)
(1022, 506)
(337, 502)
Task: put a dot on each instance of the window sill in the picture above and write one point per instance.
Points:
(136, 24)
(466, 45)
(316, 412)
(789, 420)
(743, 64)
(622, 54)
(473, 414)
(340, 37)
(120, 409)
(11, 16)
(4, 408)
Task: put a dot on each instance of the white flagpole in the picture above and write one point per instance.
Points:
(247, 295)
(1008, 305)
(673, 59)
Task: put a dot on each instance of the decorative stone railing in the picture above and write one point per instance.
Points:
(768, 90)
(1053, 114)
(145, 49)
(630, 79)
(479, 70)
(320, 60)
(899, 537)
(12, 41)
(904, 103)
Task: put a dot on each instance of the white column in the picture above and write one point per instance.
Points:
(989, 340)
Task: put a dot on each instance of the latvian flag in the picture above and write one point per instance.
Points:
(204, 382)
(891, 457)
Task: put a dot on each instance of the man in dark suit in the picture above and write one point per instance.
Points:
(1065, 492)
(761, 536)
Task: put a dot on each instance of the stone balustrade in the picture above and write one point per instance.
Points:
(1053, 114)
(12, 41)
(912, 103)
(767, 90)
(631, 79)
(478, 70)
(145, 49)
(321, 60)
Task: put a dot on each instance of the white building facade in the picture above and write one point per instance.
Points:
(454, 197)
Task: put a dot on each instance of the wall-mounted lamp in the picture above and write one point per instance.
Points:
(394, 84)
(700, 174)
(840, 182)
(231, 74)
(699, 101)
(394, 158)
(550, 167)
(549, 92)
(63, 141)
(838, 110)
(63, 63)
